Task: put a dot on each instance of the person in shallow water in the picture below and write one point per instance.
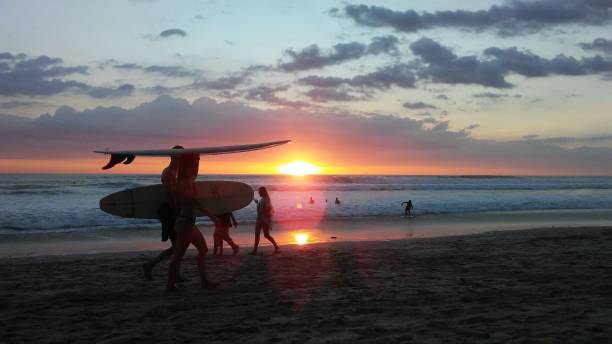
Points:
(186, 230)
(408, 208)
(264, 220)
(221, 233)
(167, 215)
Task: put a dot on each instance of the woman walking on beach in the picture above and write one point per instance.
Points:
(186, 230)
(264, 219)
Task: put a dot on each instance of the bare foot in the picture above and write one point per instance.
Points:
(147, 268)
(253, 253)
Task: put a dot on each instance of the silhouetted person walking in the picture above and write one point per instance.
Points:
(264, 220)
(167, 216)
(186, 230)
(408, 208)
(221, 233)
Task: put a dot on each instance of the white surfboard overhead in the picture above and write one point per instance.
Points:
(127, 156)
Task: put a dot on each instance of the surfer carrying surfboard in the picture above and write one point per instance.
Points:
(264, 220)
(186, 230)
(167, 216)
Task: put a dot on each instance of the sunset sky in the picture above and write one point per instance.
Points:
(385, 87)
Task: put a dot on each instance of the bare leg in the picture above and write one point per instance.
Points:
(182, 243)
(200, 243)
(267, 235)
(148, 266)
(257, 234)
(231, 242)
(217, 241)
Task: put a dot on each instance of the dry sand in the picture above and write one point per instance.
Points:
(546, 285)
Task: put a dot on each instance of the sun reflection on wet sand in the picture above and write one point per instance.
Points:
(301, 238)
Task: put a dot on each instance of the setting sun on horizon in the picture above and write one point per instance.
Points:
(299, 168)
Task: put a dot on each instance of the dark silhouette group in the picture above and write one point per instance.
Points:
(178, 214)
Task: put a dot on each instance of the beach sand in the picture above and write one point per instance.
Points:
(540, 285)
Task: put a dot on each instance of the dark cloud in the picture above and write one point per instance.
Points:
(171, 71)
(19, 104)
(172, 32)
(46, 76)
(489, 95)
(399, 75)
(229, 82)
(564, 140)
(313, 57)
(599, 44)
(6, 56)
(128, 66)
(37, 76)
(108, 92)
(513, 18)
(267, 94)
(383, 139)
(440, 64)
(418, 105)
(443, 66)
(323, 94)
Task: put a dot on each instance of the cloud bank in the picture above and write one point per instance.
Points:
(342, 138)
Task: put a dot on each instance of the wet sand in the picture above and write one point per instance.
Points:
(540, 285)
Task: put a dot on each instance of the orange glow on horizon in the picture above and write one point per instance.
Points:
(253, 166)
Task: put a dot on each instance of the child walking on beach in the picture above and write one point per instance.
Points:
(264, 220)
(221, 233)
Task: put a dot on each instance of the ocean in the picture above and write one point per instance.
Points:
(51, 202)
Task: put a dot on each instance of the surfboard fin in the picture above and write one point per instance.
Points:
(115, 159)
(129, 159)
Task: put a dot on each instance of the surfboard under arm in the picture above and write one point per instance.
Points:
(127, 156)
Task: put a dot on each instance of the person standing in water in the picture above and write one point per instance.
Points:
(221, 233)
(264, 220)
(186, 230)
(408, 208)
(167, 216)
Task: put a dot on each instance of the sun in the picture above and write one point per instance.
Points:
(301, 238)
(298, 168)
